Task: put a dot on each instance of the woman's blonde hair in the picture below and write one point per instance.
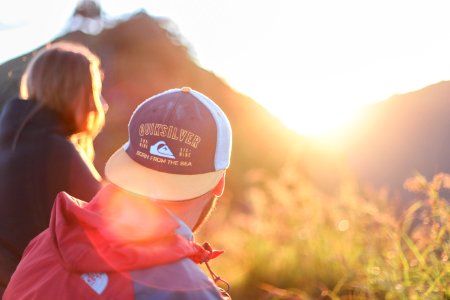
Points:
(56, 77)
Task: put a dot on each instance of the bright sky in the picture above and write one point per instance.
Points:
(311, 63)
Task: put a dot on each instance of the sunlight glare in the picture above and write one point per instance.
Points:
(310, 112)
(311, 67)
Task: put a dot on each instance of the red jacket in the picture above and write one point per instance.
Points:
(115, 247)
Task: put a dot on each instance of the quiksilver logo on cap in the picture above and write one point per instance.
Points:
(161, 149)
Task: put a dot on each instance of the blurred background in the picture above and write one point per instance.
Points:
(340, 114)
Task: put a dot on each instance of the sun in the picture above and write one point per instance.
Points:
(311, 112)
(318, 120)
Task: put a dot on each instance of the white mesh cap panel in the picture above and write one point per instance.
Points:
(223, 144)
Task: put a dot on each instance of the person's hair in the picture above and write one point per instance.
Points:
(59, 76)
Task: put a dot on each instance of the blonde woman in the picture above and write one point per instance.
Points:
(46, 144)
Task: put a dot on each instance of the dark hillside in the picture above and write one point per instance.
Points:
(403, 135)
(140, 58)
(394, 139)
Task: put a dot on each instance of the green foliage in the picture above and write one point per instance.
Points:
(285, 239)
(418, 267)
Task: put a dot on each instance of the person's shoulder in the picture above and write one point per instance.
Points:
(12, 102)
(12, 114)
(182, 279)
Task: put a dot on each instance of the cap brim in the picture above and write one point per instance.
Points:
(124, 172)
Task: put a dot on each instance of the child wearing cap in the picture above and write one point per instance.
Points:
(134, 239)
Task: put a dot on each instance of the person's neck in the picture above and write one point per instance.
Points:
(189, 211)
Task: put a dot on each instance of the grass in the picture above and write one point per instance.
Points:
(285, 239)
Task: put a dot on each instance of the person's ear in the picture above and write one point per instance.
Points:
(218, 190)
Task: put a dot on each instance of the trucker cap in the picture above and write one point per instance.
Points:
(178, 148)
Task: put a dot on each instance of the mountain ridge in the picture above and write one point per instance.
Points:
(394, 139)
(140, 59)
(402, 136)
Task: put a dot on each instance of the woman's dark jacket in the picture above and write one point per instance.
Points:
(42, 163)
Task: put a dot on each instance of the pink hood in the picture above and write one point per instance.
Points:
(115, 232)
